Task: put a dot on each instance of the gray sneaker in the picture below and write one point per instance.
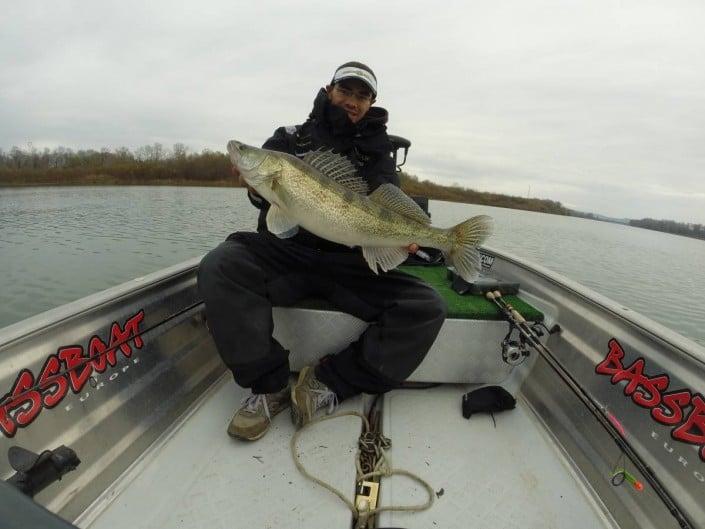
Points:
(254, 417)
(308, 396)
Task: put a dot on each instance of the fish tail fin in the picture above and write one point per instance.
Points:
(466, 237)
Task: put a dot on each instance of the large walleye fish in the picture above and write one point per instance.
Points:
(323, 194)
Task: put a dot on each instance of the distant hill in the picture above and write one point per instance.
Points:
(412, 186)
(597, 216)
(696, 231)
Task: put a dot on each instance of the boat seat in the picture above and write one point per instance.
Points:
(467, 350)
(464, 307)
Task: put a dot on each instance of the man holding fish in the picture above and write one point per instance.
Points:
(334, 224)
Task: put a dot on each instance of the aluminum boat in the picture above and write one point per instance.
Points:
(608, 430)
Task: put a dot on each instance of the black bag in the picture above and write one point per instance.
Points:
(489, 398)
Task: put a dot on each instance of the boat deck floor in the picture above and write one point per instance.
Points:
(502, 473)
(504, 476)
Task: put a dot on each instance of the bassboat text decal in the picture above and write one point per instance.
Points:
(70, 368)
(651, 392)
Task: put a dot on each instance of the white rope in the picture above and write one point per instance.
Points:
(382, 468)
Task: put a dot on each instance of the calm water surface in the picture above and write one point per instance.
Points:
(58, 244)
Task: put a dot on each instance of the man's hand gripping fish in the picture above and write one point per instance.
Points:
(323, 194)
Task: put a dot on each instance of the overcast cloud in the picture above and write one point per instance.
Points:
(597, 104)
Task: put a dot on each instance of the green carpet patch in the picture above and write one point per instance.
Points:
(468, 307)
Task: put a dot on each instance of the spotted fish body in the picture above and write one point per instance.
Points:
(323, 194)
(334, 212)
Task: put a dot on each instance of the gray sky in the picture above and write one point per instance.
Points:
(597, 104)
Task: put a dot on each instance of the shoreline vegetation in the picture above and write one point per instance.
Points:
(156, 165)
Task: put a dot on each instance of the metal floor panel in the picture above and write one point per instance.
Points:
(507, 477)
(201, 478)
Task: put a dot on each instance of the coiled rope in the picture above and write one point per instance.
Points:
(370, 443)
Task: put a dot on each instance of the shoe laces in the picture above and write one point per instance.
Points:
(325, 398)
(253, 402)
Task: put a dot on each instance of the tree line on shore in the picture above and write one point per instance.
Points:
(157, 165)
(150, 164)
(154, 165)
(696, 231)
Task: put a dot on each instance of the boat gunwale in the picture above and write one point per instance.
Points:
(652, 328)
(57, 315)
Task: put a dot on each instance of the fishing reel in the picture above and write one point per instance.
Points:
(514, 352)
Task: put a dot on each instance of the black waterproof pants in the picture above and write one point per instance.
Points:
(246, 275)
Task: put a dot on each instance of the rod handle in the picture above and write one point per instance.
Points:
(518, 317)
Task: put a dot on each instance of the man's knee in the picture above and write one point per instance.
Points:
(436, 306)
(210, 266)
(427, 306)
(227, 260)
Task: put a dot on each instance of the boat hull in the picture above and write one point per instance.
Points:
(163, 360)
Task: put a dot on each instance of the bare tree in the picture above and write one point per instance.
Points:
(180, 151)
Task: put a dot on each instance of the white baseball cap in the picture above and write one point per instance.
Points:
(356, 70)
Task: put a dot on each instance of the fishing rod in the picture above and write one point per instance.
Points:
(529, 334)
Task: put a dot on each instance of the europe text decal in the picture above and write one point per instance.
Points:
(667, 407)
(70, 368)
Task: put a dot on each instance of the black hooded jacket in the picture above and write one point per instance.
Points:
(364, 143)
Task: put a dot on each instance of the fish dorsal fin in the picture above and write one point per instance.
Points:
(391, 197)
(338, 168)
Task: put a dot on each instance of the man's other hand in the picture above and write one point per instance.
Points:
(413, 248)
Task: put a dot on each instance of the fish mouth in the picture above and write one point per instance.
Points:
(234, 150)
(242, 156)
